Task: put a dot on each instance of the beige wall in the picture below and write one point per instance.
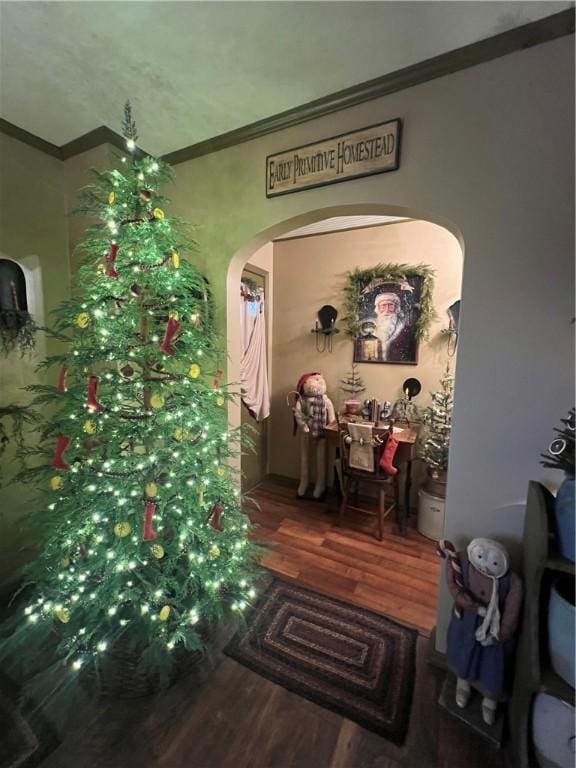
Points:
(32, 224)
(310, 272)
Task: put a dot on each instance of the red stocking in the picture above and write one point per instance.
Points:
(171, 330)
(61, 445)
(62, 379)
(388, 454)
(111, 259)
(92, 401)
(215, 519)
(149, 512)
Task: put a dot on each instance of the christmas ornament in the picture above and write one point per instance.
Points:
(172, 329)
(56, 483)
(127, 371)
(219, 374)
(215, 519)
(214, 552)
(221, 471)
(164, 613)
(157, 551)
(388, 454)
(149, 533)
(180, 434)
(122, 530)
(63, 615)
(92, 400)
(111, 198)
(175, 259)
(62, 444)
(220, 400)
(82, 319)
(151, 490)
(163, 478)
(135, 289)
(194, 371)
(89, 427)
(195, 318)
(111, 260)
(158, 213)
(63, 379)
(65, 562)
(157, 401)
(145, 195)
(201, 495)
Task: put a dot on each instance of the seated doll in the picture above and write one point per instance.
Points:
(487, 602)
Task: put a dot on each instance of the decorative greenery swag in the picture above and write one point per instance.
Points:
(390, 273)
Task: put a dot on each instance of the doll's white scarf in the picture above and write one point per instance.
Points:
(489, 631)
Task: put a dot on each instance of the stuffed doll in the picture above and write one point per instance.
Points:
(312, 412)
(487, 601)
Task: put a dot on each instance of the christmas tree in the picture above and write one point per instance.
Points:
(561, 450)
(438, 423)
(144, 541)
(352, 383)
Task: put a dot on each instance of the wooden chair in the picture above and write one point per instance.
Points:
(387, 484)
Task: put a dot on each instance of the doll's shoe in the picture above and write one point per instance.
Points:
(463, 691)
(489, 710)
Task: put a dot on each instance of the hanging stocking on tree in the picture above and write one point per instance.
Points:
(111, 260)
(171, 330)
(63, 379)
(215, 519)
(388, 454)
(62, 444)
(149, 511)
(92, 400)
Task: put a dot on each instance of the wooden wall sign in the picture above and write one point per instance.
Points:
(371, 150)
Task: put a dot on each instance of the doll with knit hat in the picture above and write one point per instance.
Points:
(487, 602)
(313, 411)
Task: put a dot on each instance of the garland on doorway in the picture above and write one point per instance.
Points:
(362, 279)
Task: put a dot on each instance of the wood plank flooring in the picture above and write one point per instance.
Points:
(397, 577)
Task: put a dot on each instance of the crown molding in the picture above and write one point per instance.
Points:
(526, 36)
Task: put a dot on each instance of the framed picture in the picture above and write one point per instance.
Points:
(388, 320)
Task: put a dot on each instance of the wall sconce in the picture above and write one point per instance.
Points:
(325, 328)
(451, 332)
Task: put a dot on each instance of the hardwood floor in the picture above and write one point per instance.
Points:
(398, 577)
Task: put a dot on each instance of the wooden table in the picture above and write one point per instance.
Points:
(407, 436)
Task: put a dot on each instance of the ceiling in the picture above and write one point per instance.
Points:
(194, 70)
(340, 223)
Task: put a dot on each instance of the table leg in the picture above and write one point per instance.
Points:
(406, 506)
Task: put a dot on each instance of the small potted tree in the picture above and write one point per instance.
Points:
(435, 451)
(352, 385)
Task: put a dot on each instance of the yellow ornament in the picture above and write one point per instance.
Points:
(214, 552)
(89, 427)
(157, 551)
(175, 259)
(158, 213)
(56, 483)
(194, 371)
(111, 198)
(65, 562)
(221, 471)
(82, 319)
(122, 530)
(179, 434)
(174, 315)
(151, 490)
(164, 613)
(63, 615)
(101, 268)
(220, 400)
(157, 401)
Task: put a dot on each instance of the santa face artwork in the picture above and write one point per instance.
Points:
(387, 313)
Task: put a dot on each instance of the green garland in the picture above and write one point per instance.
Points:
(359, 278)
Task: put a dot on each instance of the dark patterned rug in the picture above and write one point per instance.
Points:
(344, 658)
